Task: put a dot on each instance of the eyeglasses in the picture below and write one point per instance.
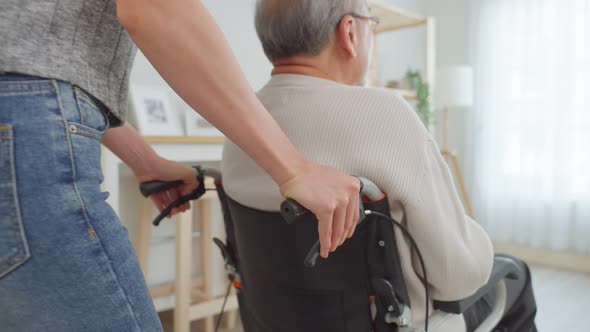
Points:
(373, 20)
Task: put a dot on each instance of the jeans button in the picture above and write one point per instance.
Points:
(73, 129)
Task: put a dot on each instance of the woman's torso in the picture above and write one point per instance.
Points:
(80, 42)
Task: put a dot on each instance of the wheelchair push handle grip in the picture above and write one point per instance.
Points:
(153, 187)
(292, 211)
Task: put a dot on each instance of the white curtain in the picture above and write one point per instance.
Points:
(532, 122)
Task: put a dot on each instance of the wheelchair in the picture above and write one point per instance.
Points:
(283, 286)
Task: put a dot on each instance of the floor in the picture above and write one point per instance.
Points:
(167, 318)
(563, 300)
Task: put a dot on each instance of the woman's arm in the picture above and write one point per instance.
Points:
(130, 147)
(184, 44)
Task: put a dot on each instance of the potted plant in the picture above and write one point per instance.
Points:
(422, 105)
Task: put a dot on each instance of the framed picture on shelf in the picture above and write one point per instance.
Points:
(153, 113)
(196, 125)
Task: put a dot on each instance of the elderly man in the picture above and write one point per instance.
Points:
(320, 51)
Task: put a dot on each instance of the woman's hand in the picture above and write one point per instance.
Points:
(166, 170)
(128, 145)
(332, 196)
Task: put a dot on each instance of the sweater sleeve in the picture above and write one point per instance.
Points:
(398, 153)
(457, 251)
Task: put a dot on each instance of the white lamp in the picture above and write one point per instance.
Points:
(454, 89)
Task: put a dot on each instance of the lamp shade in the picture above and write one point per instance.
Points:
(454, 86)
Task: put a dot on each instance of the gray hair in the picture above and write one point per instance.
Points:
(293, 27)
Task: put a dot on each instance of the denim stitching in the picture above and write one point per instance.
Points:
(75, 183)
(10, 260)
(23, 240)
(12, 228)
(25, 82)
(22, 92)
(88, 131)
(26, 89)
(25, 86)
(96, 137)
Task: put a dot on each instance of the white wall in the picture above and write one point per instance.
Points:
(453, 29)
(236, 20)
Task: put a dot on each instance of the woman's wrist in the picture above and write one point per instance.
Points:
(130, 147)
(288, 167)
(144, 166)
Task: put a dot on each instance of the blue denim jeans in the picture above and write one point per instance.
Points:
(66, 262)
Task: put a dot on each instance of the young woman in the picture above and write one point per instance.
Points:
(66, 263)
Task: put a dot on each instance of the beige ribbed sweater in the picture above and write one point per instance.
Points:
(374, 133)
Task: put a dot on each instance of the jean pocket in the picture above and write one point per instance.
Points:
(14, 249)
(93, 121)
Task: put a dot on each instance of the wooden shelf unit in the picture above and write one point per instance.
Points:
(393, 19)
(408, 94)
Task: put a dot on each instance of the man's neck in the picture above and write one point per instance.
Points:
(301, 66)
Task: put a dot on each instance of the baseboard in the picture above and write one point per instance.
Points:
(546, 257)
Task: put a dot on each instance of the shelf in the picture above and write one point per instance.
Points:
(407, 94)
(184, 139)
(393, 18)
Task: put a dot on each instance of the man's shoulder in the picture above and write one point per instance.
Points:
(381, 101)
(385, 98)
(354, 103)
(378, 94)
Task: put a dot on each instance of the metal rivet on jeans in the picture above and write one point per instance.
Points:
(73, 129)
(382, 243)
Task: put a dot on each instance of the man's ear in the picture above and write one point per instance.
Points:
(346, 36)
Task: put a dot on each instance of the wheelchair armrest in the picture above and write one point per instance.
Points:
(504, 268)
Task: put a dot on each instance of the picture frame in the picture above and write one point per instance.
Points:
(196, 125)
(153, 112)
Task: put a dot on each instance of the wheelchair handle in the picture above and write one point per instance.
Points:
(292, 211)
(153, 187)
